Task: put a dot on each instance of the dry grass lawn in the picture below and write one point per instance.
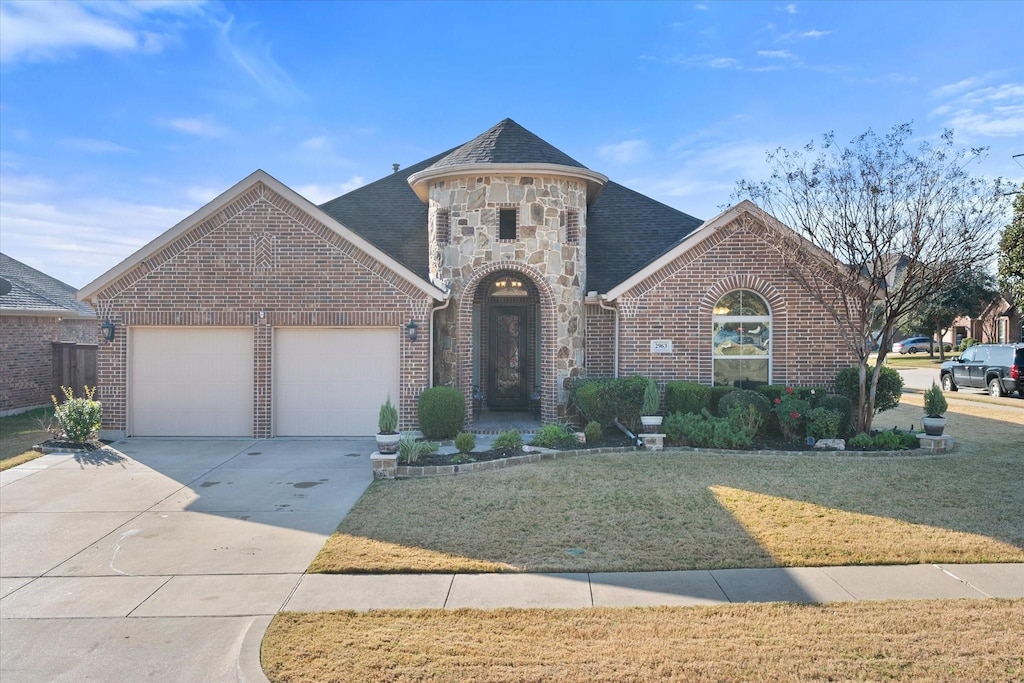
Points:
(18, 433)
(682, 510)
(951, 640)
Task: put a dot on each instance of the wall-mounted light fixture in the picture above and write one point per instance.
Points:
(108, 330)
(410, 330)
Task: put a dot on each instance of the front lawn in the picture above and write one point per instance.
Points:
(18, 433)
(940, 640)
(681, 510)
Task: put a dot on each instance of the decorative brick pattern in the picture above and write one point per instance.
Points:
(261, 254)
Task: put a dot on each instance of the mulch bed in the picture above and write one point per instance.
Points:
(51, 445)
(609, 440)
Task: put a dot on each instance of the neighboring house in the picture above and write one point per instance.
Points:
(999, 323)
(502, 266)
(36, 311)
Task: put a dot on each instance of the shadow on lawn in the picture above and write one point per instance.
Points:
(684, 510)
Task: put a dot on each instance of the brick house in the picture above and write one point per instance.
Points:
(502, 267)
(999, 323)
(36, 312)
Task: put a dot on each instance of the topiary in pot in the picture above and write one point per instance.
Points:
(935, 407)
(649, 408)
(387, 424)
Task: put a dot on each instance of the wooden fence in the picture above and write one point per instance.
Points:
(74, 365)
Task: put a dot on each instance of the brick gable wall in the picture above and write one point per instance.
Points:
(262, 254)
(676, 304)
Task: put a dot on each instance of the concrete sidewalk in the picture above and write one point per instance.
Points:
(326, 592)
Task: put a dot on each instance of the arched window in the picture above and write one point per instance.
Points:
(741, 339)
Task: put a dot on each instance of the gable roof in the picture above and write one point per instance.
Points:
(232, 194)
(625, 229)
(506, 143)
(36, 292)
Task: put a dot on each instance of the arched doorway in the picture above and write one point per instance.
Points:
(506, 321)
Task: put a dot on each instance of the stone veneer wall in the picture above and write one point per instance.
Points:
(541, 251)
(261, 253)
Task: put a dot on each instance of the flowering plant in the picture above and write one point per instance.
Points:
(791, 411)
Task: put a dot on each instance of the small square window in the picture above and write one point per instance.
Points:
(506, 224)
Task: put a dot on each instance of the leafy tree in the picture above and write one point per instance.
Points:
(868, 229)
(1011, 254)
(968, 293)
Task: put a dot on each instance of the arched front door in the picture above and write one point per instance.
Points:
(509, 341)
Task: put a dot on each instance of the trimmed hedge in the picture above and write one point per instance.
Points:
(716, 394)
(687, 397)
(603, 400)
(887, 395)
(746, 397)
(442, 412)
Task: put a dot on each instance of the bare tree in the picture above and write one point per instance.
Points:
(870, 228)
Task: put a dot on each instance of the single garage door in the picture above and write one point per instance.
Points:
(190, 381)
(331, 381)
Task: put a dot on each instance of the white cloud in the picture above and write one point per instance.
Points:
(723, 63)
(814, 33)
(974, 109)
(81, 237)
(254, 58)
(318, 194)
(95, 146)
(53, 31)
(701, 8)
(788, 9)
(776, 54)
(625, 152)
(314, 143)
(204, 127)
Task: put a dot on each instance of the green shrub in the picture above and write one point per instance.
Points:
(772, 391)
(792, 415)
(652, 398)
(908, 440)
(510, 439)
(593, 432)
(746, 397)
(465, 442)
(715, 395)
(687, 397)
(966, 343)
(79, 418)
(708, 431)
(442, 412)
(887, 395)
(410, 450)
(886, 441)
(603, 400)
(823, 423)
(861, 442)
(387, 418)
(554, 436)
(841, 405)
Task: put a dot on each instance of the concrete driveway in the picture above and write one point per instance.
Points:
(164, 559)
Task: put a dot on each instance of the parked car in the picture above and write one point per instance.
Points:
(997, 367)
(915, 344)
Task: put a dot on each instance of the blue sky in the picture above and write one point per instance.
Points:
(117, 120)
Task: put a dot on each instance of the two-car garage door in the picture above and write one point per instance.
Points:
(198, 381)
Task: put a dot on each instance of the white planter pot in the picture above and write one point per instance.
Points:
(650, 421)
(388, 443)
(933, 426)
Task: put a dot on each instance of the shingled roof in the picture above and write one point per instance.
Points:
(625, 229)
(37, 292)
(506, 143)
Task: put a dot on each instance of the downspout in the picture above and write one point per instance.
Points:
(615, 351)
(435, 309)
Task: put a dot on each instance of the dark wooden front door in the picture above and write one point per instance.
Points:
(507, 388)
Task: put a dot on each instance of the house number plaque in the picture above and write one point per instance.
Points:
(661, 346)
